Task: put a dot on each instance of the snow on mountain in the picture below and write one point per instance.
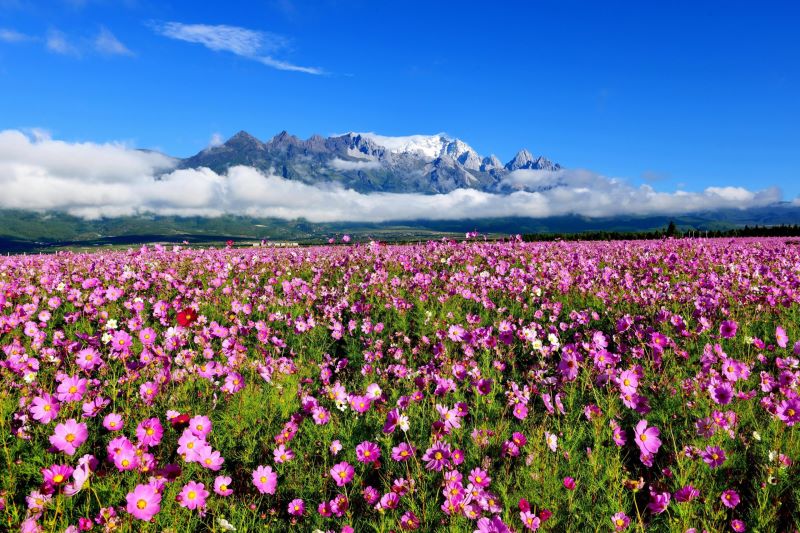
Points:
(429, 146)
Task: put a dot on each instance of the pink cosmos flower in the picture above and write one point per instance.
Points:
(342, 473)
(113, 422)
(730, 498)
(530, 520)
(569, 483)
(620, 521)
(121, 341)
(147, 336)
(713, 456)
(686, 494)
(265, 480)
(71, 389)
(738, 525)
(479, 477)
(789, 411)
(88, 359)
(193, 496)
(297, 507)
(69, 436)
(409, 521)
(403, 452)
(659, 501)
(200, 426)
(144, 502)
(628, 382)
(647, 438)
(360, 404)
(368, 452)
(44, 408)
(781, 337)
(149, 432)
(437, 456)
(727, 330)
(210, 458)
(282, 454)
(56, 476)
(222, 485)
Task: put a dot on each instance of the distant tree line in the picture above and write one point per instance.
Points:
(784, 230)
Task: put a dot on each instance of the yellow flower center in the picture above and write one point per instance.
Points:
(47, 407)
(191, 495)
(263, 479)
(626, 382)
(141, 504)
(643, 437)
(73, 389)
(70, 437)
(58, 478)
(438, 456)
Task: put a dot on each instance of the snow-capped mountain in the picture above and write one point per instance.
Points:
(368, 162)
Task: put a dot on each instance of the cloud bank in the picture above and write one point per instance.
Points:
(105, 180)
(256, 45)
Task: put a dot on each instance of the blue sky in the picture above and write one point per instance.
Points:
(682, 95)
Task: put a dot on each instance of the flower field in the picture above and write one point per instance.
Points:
(448, 386)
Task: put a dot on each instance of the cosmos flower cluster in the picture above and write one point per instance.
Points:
(474, 385)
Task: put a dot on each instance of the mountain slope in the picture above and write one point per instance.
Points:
(367, 162)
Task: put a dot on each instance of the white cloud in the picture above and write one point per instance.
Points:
(107, 43)
(343, 164)
(216, 139)
(93, 180)
(251, 44)
(57, 42)
(13, 36)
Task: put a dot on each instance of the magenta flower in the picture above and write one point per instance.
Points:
(713, 456)
(738, 525)
(686, 494)
(569, 483)
(193, 496)
(265, 480)
(721, 393)
(727, 330)
(147, 336)
(368, 452)
(282, 454)
(479, 477)
(210, 458)
(658, 502)
(403, 452)
(121, 341)
(113, 422)
(297, 507)
(530, 520)
(44, 408)
(628, 382)
(647, 438)
(149, 432)
(144, 502)
(56, 476)
(88, 359)
(200, 426)
(342, 473)
(69, 436)
(730, 498)
(781, 337)
(437, 456)
(360, 404)
(222, 485)
(409, 521)
(620, 521)
(71, 389)
(789, 411)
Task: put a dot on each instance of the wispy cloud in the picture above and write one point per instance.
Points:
(58, 43)
(13, 36)
(251, 44)
(95, 180)
(107, 43)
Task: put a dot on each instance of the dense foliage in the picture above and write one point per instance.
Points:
(476, 386)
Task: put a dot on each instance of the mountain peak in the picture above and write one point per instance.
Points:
(243, 140)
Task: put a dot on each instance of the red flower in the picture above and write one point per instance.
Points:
(186, 316)
(524, 506)
(180, 422)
